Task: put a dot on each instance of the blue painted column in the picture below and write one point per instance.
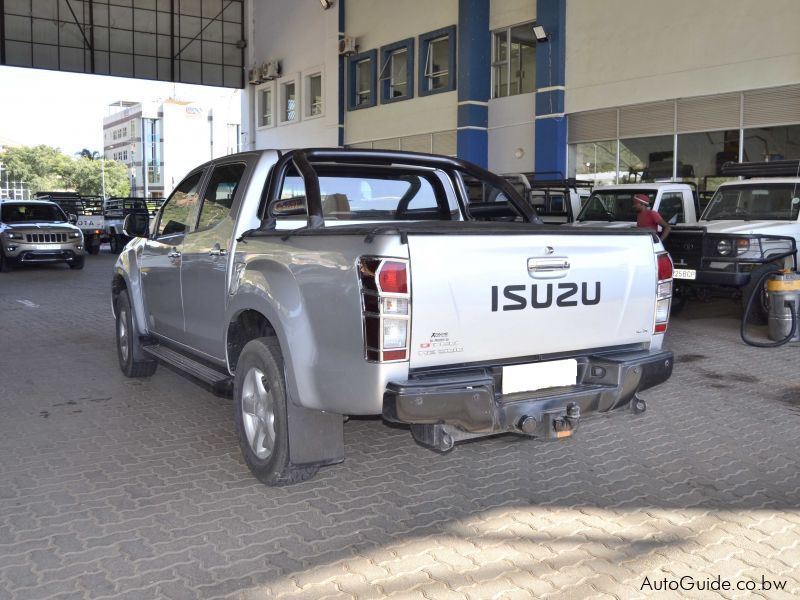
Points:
(473, 67)
(551, 124)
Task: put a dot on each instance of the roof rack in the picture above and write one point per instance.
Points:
(555, 179)
(775, 168)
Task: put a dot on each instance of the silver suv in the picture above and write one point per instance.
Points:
(33, 231)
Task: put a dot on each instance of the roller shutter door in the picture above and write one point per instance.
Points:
(592, 126)
(709, 113)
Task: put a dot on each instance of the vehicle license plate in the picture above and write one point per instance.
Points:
(684, 274)
(46, 246)
(538, 376)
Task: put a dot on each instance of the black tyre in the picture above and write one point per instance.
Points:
(93, 246)
(117, 243)
(78, 264)
(260, 413)
(680, 296)
(132, 361)
(5, 263)
(759, 312)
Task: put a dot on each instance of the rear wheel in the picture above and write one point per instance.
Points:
(117, 243)
(261, 419)
(92, 246)
(129, 349)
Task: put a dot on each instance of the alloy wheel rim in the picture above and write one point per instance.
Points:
(258, 412)
(123, 334)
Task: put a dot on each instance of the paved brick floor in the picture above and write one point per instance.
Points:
(114, 488)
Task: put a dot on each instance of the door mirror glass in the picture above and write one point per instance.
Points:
(72, 218)
(289, 207)
(136, 224)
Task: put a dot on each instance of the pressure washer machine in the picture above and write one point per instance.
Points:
(783, 291)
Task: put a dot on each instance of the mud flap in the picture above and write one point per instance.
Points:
(315, 437)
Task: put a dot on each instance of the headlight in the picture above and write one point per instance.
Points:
(724, 247)
(13, 236)
(75, 235)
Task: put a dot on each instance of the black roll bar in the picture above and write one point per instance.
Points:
(303, 159)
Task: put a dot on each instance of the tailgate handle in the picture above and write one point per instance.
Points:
(548, 267)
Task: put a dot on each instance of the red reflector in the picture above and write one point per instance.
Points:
(661, 327)
(392, 278)
(394, 355)
(664, 267)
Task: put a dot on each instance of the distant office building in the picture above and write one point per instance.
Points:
(159, 142)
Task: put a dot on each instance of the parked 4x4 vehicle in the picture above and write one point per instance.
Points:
(33, 231)
(612, 205)
(323, 283)
(749, 228)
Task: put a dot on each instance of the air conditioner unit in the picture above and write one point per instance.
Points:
(271, 70)
(347, 46)
(254, 76)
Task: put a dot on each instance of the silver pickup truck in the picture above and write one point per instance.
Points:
(317, 284)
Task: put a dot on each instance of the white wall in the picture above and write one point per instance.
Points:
(511, 128)
(376, 23)
(301, 35)
(630, 51)
(504, 13)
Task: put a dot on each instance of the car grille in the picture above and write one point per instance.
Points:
(686, 249)
(46, 238)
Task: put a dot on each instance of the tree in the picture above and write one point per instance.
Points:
(43, 168)
(86, 153)
(86, 177)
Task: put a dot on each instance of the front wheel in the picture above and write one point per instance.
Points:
(78, 264)
(129, 350)
(759, 311)
(260, 413)
(5, 263)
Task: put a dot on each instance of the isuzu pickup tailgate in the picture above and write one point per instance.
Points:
(486, 298)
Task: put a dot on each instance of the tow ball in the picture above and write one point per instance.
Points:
(638, 406)
(552, 425)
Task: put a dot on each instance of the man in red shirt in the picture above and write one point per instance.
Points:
(647, 218)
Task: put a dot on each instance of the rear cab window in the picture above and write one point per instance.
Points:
(355, 195)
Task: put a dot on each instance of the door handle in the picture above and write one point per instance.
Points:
(217, 251)
(548, 268)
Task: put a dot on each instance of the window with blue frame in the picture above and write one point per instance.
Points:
(437, 64)
(362, 71)
(397, 71)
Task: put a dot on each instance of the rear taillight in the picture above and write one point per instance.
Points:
(386, 308)
(663, 292)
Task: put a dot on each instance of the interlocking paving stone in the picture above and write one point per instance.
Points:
(117, 488)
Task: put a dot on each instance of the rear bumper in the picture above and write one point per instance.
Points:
(470, 401)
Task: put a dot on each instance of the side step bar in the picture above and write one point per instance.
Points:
(219, 381)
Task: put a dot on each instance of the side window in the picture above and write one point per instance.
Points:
(671, 208)
(219, 194)
(179, 208)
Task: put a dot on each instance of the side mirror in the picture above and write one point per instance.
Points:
(289, 207)
(136, 224)
(72, 218)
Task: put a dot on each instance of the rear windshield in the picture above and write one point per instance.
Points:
(28, 213)
(612, 205)
(371, 196)
(771, 201)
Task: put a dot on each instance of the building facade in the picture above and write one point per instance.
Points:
(159, 142)
(622, 90)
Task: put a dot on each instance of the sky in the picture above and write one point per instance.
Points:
(66, 110)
